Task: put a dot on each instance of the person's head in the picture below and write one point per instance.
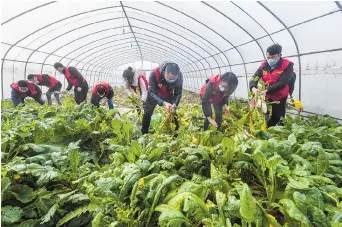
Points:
(23, 85)
(33, 78)
(128, 75)
(273, 54)
(171, 72)
(101, 91)
(227, 79)
(59, 67)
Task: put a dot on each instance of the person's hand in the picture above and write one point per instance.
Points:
(290, 101)
(226, 110)
(64, 92)
(212, 122)
(168, 106)
(79, 89)
(263, 92)
(255, 91)
(174, 106)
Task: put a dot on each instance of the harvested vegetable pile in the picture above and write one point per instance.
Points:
(83, 166)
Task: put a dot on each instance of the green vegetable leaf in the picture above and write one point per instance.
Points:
(247, 204)
(73, 214)
(301, 201)
(10, 215)
(319, 218)
(171, 217)
(322, 163)
(292, 211)
(315, 198)
(23, 193)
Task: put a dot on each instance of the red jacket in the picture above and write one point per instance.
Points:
(70, 78)
(31, 86)
(140, 77)
(217, 95)
(53, 80)
(162, 92)
(104, 84)
(273, 77)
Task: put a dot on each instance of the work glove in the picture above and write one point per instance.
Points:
(79, 89)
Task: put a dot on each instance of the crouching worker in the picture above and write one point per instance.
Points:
(22, 89)
(102, 90)
(135, 81)
(49, 81)
(165, 89)
(216, 91)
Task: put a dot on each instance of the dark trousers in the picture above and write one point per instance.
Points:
(54, 89)
(218, 108)
(150, 105)
(82, 95)
(16, 99)
(278, 111)
(95, 100)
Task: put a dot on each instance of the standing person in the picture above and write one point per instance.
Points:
(165, 89)
(49, 81)
(22, 89)
(216, 91)
(276, 72)
(74, 78)
(102, 90)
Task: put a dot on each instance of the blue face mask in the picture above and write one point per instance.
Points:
(272, 62)
(222, 88)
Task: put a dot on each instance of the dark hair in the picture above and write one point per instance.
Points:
(101, 90)
(274, 49)
(229, 78)
(22, 83)
(172, 68)
(58, 65)
(128, 74)
(31, 76)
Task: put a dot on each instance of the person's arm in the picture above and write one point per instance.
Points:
(153, 89)
(205, 99)
(143, 90)
(255, 79)
(46, 79)
(292, 84)
(39, 92)
(283, 81)
(110, 93)
(179, 89)
(128, 89)
(69, 86)
(73, 71)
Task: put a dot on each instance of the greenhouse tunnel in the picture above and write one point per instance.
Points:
(205, 38)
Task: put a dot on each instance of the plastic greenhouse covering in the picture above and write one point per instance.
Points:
(101, 38)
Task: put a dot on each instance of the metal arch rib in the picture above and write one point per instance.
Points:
(339, 5)
(268, 34)
(27, 11)
(244, 65)
(123, 9)
(295, 42)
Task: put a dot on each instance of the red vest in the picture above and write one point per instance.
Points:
(273, 77)
(140, 77)
(70, 78)
(31, 86)
(162, 92)
(105, 85)
(217, 95)
(53, 80)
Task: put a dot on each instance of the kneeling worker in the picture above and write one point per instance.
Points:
(22, 89)
(102, 90)
(165, 89)
(49, 81)
(216, 91)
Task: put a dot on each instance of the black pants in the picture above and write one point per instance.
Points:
(278, 111)
(218, 113)
(150, 105)
(82, 95)
(57, 88)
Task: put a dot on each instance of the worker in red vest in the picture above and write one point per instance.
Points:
(133, 81)
(216, 91)
(75, 79)
(165, 89)
(102, 90)
(49, 81)
(276, 73)
(22, 89)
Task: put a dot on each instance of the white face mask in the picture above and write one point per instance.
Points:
(101, 95)
(222, 88)
(23, 89)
